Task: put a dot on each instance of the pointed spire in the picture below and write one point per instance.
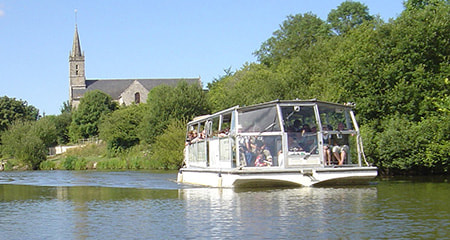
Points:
(76, 47)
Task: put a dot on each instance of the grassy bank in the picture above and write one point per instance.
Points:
(95, 156)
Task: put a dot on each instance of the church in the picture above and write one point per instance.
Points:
(123, 91)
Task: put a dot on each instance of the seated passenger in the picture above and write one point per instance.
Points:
(194, 136)
(296, 127)
(326, 146)
(263, 157)
(224, 132)
(293, 144)
(340, 145)
(308, 139)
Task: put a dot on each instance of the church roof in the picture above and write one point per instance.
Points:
(115, 87)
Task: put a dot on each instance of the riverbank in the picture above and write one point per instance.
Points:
(91, 157)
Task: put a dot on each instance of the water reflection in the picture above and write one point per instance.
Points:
(80, 193)
(124, 205)
(311, 212)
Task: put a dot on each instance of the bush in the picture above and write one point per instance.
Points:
(47, 165)
(22, 141)
(75, 163)
(119, 129)
(167, 151)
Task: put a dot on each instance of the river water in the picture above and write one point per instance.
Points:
(151, 205)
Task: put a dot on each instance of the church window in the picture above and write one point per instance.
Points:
(137, 97)
(76, 72)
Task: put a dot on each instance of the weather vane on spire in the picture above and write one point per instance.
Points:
(76, 16)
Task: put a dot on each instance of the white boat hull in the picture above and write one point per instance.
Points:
(266, 177)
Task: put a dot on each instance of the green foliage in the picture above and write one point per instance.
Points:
(22, 142)
(296, 33)
(347, 16)
(166, 103)
(414, 147)
(120, 128)
(12, 110)
(113, 164)
(48, 165)
(395, 72)
(86, 118)
(75, 163)
(167, 151)
(45, 129)
(62, 123)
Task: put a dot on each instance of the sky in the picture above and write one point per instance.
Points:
(139, 39)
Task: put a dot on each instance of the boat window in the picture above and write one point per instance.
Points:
(297, 118)
(300, 124)
(213, 127)
(332, 116)
(259, 151)
(226, 124)
(259, 120)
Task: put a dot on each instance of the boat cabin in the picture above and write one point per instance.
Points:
(277, 134)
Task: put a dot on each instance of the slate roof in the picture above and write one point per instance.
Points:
(115, 87)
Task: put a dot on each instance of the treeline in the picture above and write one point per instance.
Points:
(396, 73)
(152, 133)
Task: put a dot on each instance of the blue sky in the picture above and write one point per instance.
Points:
(139, 39)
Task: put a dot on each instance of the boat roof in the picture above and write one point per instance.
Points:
(295, 102)
(272, 103)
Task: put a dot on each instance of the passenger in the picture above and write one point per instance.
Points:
(224, 132)
(264, 157)
(293, 144)
(297, 126)
(280, 158)
(326, 146)
(250, 151)
(188, 138)
(340, 145)
(305, 129)
(194, 136)
(203, 134)
(308, 140)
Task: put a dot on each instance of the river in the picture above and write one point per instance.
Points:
(151, 205)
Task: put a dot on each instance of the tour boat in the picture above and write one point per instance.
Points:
(277, 143)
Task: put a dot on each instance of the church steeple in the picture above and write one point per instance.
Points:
(77, 76)
(76, 47)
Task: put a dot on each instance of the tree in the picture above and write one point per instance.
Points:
(296, 33)
(166, 103)
(86, 118)
(119, 129)
(28, 141)
(12, 110)
(412, 5)
(347, 16)
(167, 151)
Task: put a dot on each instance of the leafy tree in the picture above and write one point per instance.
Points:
(412, 5)
(23, 141)
(86, 118)
(167, 151)
(66, 107)
(296, 33)
(395, 72)
(45, 129)
(166, 103)
(12, 110)
(347, 16)
(119, 129)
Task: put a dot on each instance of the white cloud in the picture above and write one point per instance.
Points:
(2, 13)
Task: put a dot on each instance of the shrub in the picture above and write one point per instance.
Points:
(167, 151)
